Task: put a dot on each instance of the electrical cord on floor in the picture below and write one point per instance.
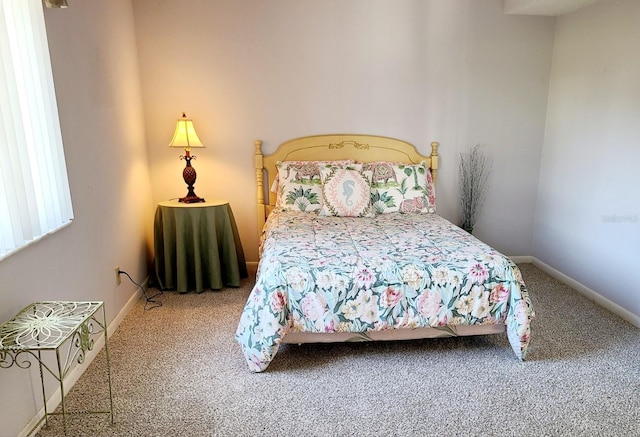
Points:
(150, 301)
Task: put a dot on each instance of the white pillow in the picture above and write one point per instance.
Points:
(399, 187)
(298, 185)
(346, 191)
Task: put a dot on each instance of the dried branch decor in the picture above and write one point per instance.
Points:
(474, 174)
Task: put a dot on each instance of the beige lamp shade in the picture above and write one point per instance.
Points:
(185, 135)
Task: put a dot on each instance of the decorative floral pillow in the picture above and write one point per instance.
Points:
(398, 187)
(299, 186)
(346, 191)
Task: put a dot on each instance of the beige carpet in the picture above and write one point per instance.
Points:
(177, 371)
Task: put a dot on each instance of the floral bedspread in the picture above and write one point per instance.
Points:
(392, 271)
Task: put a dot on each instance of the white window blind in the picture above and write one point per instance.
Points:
(34, 189)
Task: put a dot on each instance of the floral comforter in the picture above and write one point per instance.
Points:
(393, 271)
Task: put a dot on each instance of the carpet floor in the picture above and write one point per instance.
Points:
(177, 371)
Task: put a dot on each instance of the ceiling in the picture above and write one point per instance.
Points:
(543, 7)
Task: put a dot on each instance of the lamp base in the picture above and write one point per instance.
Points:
(191, 199)
(189, 176)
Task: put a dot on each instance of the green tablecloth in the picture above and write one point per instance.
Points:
(197, 247)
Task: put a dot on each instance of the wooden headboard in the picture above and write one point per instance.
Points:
(361, 148)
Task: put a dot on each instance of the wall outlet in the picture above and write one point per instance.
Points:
(118, 279)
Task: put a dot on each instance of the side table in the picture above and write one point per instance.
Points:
(47, 326)
(197, 246)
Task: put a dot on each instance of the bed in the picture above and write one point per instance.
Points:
(352, 249)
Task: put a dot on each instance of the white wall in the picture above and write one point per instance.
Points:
(95, 70)
(588, 217)
(459, 72)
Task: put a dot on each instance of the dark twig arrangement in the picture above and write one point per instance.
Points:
(474, 174)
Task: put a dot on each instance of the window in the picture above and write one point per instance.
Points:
(34, 189)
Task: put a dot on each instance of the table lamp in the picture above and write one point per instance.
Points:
(185, 137)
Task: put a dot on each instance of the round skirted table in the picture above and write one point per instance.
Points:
(197, 246)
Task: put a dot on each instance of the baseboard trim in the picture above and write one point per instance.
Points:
(522, 259)
(588, 293)
(75, 374)
(252, 268)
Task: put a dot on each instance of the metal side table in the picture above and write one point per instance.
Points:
(48, 326)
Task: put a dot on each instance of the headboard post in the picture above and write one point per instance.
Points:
(434, 161)
(260, 185)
